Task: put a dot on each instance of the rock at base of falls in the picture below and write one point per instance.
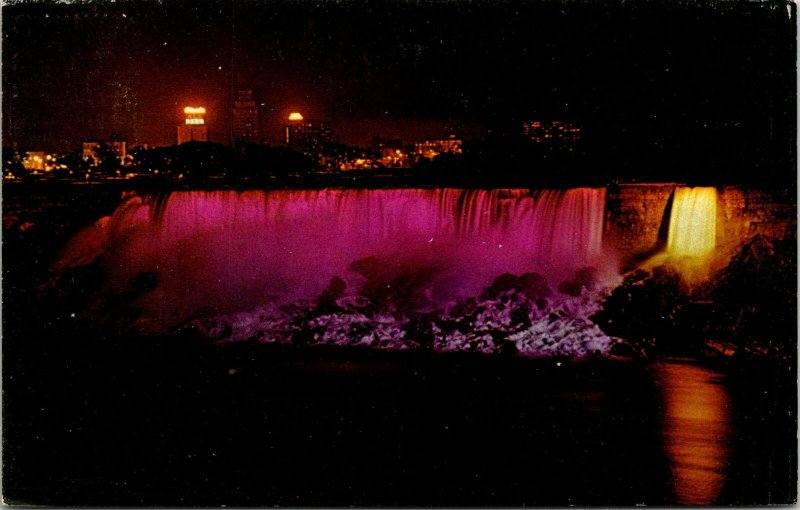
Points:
(515, 315)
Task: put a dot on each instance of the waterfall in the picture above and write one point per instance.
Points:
(693, 222)
(224, 250)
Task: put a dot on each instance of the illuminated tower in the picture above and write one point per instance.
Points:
(290, 131)
(306, 136)
(194, 128)
(245, 118)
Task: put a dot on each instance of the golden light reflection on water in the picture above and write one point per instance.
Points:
(696, 430)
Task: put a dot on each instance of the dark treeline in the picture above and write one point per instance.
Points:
(197, 160)
(492, 161)
(508, 159)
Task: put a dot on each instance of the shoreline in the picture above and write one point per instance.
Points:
(361, 180)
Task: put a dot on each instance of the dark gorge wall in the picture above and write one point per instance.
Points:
(637, 216)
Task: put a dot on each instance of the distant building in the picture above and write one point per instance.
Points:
(307, 136)
(90, 149)
(431, 148)
(395, 158)
(391, 153)
(119, 147)
(194, 128)
(34, 161)
(551, 132)
(245, 118)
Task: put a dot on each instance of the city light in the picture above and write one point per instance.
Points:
(295, 116)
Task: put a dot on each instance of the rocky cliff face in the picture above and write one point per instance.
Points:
(637, 217)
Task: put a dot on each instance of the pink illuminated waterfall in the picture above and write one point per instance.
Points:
(225, 250)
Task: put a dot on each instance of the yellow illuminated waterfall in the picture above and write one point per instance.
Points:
(693, 222)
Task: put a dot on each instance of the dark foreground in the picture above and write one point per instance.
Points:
(93, 423)
(93, 419)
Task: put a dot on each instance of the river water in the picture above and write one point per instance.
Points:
(237, 425)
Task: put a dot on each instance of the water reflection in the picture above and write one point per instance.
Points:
(696, 430)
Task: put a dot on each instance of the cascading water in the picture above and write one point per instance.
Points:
(223, 251)
(693, 222)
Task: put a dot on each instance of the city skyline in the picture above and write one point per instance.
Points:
(690, 84)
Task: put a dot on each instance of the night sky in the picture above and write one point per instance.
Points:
(639, 76)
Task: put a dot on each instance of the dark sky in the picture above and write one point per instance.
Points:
(658, 75)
